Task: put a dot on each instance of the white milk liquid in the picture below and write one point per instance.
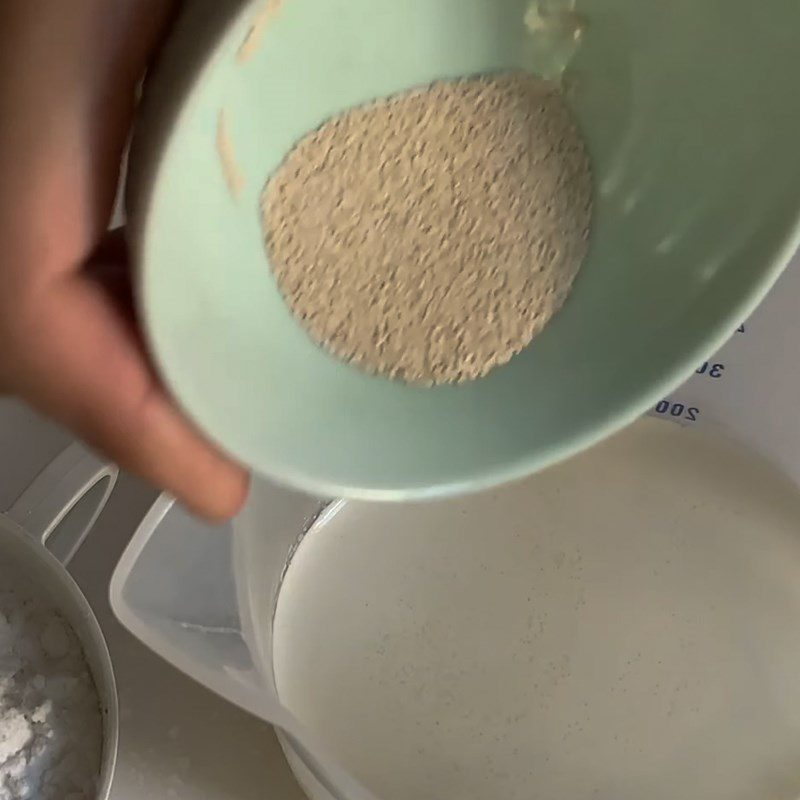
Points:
(625, 626)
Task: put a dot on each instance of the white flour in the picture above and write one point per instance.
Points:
(50, 722)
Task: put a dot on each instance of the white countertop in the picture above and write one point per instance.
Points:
(177, 740)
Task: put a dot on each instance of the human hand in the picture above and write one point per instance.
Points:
(69, 344)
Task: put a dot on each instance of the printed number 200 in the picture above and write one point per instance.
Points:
(678, 410)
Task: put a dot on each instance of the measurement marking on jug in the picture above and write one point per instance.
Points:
(711, 370)
(680, 411)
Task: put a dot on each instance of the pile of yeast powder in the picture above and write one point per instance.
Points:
(430, 236)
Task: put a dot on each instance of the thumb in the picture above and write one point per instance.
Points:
(72, 354)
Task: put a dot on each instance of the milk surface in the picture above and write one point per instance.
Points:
(623, 626)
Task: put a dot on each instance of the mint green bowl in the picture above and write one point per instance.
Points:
(692, 115)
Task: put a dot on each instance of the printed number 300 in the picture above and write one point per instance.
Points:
(712, 370)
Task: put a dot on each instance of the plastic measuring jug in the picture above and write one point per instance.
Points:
(189, 594)
(692, 119)
(189, 591)
(750, 389)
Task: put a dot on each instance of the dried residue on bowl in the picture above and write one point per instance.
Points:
(255, 35)
(556, 30)
(234, 177)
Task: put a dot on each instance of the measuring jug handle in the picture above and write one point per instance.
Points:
(62, 504)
